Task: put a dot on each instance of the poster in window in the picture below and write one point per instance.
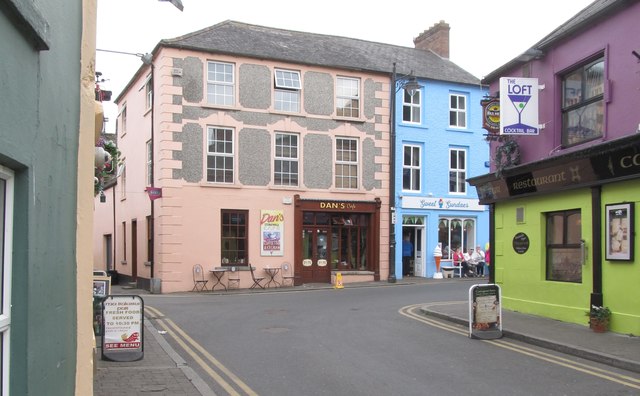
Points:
(101, 286)
(271, 232)
(619, 231)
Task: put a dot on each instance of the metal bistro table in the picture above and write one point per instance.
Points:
(271, 273)
(218, 273)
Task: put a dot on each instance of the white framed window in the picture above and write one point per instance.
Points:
(348, 97)
(220, 83)
(149, 164)
(123, 180)
(6, 243)
(287, 90)
(123, 118)
(411, 168)
(411, 107)
(457, 171)
(346, 163)
(148, 90)
(220, 155)
(286, 160)
(457, 111)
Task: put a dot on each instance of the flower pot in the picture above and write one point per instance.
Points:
(599, 326)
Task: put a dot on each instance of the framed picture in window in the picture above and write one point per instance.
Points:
(619, 231)
(101, 286)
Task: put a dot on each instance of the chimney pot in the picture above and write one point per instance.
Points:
(435, 39)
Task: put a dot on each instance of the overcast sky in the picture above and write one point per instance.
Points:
(484, 34)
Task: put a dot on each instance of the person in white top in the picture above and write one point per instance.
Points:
(477, 257)
(471, 262)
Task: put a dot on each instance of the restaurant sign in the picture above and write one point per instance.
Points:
(518, 106)
(491, 114)
(412, 202)
(122, 320)
(272, 231)
(485, 312)
(618, 163)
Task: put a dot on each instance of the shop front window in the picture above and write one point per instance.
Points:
(349, 242)
(564, 248)
(455, 232)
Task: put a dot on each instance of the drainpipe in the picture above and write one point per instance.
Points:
(596, 247)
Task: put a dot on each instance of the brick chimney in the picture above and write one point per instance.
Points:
(435, 39)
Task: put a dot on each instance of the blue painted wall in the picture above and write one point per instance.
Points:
(434, 136)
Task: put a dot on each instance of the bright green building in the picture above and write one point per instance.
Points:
(565, 191)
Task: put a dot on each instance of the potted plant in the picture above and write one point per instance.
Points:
(599, 318)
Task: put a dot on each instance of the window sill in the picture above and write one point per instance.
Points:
(219, 185)
(453, 129)
(358, 120)
(219, 107)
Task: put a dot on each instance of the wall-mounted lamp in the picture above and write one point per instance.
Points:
(409, 83)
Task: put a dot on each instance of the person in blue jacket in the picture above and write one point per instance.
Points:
(407, 255)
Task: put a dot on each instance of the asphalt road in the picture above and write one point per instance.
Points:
(359, 341)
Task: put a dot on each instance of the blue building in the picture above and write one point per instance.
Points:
(439, 144)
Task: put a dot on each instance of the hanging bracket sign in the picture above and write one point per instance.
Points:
(519, 106)
(485, 312)
(122, 324)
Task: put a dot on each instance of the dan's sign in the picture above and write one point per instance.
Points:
(519, 106)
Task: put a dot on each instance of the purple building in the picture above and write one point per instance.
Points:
(562, 198)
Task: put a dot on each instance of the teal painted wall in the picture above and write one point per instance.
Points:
(39, 141)
(522, 277)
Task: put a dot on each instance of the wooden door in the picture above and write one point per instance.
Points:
(315, 248)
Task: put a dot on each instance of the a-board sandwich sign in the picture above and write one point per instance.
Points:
(122, 328)
(485, 312)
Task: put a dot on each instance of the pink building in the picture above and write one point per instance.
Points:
(263, 147)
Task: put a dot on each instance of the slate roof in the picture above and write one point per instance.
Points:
(584, 19)
(241, 39)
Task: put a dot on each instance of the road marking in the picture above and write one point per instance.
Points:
(182, 338)
(411, 311)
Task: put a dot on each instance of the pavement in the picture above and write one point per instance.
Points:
(162, 372)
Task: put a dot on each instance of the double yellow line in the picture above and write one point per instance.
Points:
(412, 311)
(224, 377)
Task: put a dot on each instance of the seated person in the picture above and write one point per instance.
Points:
(460, 260)
(472, 262)
(478, 257)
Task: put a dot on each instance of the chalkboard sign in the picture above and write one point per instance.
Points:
(521, 243)
(122, 324)
(485, 312)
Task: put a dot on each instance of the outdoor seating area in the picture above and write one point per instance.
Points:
(199, 281)
(225, 278)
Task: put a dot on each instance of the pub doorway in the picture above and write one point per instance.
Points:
(336, 236)
(315, 245)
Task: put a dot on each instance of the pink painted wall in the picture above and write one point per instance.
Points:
(188, 214)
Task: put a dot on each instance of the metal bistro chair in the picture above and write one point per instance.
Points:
(287, 276)
(256, 279)
(199, 282)
(233, 278)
